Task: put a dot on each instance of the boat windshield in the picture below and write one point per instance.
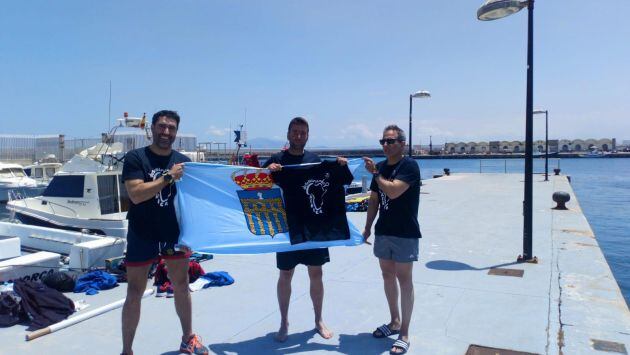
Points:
(5, 173)
(65, 186)
(50, 172)
(18, 172)
(39, 173)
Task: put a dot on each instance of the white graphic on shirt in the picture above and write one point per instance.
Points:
(384, 201)
(316, 189)
(161, 200)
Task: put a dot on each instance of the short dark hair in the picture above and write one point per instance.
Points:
(401, 133)
(298, 120)
(165, 113)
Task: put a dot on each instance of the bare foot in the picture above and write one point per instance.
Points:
(282, 334)
(323, 331)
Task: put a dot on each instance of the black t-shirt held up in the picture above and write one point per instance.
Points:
(314, 197)
(153, 219)
(399, 217)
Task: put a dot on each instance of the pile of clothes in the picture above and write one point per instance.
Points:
(163, 283)
(197, 279)
(42, 303)
(34, 303)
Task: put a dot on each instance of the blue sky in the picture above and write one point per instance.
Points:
(347, 66)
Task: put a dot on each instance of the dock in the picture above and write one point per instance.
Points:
(469, 290)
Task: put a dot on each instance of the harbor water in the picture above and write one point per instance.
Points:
(601, 185)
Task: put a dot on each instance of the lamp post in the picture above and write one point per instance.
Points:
(536, 112)
(493, 10)
(418, 94)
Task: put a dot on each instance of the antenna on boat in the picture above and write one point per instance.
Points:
(109, 110)
(245, 130)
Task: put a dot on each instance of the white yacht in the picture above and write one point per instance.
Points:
(87, 194)
(84, 195)
(13, 177)
(42, 173)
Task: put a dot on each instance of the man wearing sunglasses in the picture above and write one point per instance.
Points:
(395, 197)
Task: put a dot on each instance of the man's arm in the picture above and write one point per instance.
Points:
(393, 189)
(272, 164)
(371, 215)
(140, 191)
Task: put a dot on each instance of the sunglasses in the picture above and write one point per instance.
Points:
(389, 141)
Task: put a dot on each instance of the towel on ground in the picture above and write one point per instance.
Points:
(212, 279)
(94, 281)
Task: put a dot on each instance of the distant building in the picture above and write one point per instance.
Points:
(555, 145)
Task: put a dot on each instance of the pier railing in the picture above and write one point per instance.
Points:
(513, 165)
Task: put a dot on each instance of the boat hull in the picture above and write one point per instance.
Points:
(112, 228)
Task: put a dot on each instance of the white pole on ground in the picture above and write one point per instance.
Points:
(80, 318)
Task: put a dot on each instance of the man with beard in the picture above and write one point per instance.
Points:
(149, 174)
(297, 135)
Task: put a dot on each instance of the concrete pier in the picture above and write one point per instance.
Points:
(468, 289)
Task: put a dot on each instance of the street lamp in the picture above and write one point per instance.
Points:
(493, 10)
(536, 112)
(418, 94)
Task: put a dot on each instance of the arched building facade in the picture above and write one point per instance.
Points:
(518, 147)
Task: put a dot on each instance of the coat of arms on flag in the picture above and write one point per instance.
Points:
(262, 204)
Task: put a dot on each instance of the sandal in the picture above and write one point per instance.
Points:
(384, 331)
(399, 345)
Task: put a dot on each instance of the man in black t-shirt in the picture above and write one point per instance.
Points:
(149, 174)
(395, 197)
(297, 136)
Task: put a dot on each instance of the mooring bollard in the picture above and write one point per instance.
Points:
(561, 198)
(556, 171)
(447, 171)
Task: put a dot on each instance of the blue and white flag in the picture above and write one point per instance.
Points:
(226, 209)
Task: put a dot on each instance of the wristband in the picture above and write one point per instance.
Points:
(168, 178)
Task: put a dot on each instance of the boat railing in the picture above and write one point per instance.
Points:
(493, 165)
(15, 195)
(53, 205)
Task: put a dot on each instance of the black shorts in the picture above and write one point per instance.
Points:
(142, 251)
(288, 260)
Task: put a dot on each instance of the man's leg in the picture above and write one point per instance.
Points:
(284, 297)
(388, 270)
(178, 274)
(136, 285)
(317, 296)
(404, 273)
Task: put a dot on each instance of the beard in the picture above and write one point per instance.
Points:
(164, 142)
(296, 146)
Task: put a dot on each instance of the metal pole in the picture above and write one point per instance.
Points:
(546, 145)
(529, 125)
(410, 108)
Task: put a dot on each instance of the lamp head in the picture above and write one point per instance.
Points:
(421, 94)
(496, 9)
(537, 112)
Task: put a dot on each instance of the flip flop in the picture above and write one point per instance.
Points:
(385, 331)
(401, 345)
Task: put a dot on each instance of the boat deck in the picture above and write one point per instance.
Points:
(568, 303)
